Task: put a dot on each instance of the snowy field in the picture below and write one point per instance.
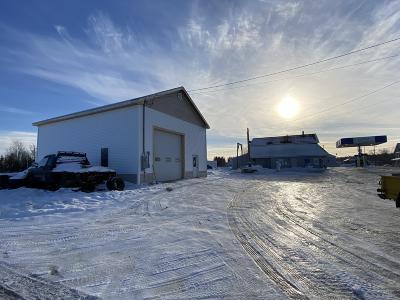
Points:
(230, 235)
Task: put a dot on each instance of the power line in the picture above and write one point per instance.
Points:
(297, 76)
(297, 67)
(349, 101)
(337, 105)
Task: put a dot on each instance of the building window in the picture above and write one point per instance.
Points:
(104, 157)
(194, 161)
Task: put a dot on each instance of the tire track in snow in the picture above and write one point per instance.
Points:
(178, 275)
(316, 282)
(25, 286)
(309, 277)
(87, 233)
(266, 266)
(183, 283)
(351, 257)
(182, 275)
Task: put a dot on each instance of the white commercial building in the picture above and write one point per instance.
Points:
(289, 151)
(157, 137)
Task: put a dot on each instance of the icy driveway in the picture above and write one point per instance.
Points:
(145, 243)
(322, 236)
(317, 236)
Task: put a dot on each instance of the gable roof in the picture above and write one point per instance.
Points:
(287, 150)
(308, 138)
(122, 104)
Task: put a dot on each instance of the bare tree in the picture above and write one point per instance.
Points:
(32, 151)
(18, 157)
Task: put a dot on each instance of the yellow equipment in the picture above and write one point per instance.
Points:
(390, 188)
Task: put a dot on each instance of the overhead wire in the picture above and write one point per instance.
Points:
(204, 93)
(350, 100)
(297, 67)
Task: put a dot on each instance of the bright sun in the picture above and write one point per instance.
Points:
(288, 107)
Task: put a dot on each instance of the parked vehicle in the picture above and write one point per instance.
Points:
(248, 168)
(390, 188)
(66, 169)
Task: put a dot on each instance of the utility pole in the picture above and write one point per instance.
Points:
(237, 153)
(248, 143)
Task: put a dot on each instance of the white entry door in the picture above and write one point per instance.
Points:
(167, 155)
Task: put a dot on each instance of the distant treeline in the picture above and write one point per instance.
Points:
(221, 162)
(382, 157)
(18, 157)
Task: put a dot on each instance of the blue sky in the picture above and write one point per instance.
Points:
(59, 57)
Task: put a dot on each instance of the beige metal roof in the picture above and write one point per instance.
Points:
(118, 105)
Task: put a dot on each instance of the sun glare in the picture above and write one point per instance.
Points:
(288, 107)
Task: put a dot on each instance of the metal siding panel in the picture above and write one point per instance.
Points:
(116, 130)
(177, 107)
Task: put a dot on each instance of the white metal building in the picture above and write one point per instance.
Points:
(158, 137)
(290, 151)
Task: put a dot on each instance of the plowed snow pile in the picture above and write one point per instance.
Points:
(231, 235)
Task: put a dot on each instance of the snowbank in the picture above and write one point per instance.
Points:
(26, 202)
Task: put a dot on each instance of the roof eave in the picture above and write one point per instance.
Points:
(91, 111)
(118, 105)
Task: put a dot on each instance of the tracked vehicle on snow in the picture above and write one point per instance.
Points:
(66, 169)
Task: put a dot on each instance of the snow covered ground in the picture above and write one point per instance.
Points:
(230, 235)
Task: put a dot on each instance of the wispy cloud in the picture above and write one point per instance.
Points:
(218, 44)
(14, 110)
(232, 34)
(287, 10)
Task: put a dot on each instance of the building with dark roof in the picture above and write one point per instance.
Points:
(289, 151)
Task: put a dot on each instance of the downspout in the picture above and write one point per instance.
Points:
(143, 141)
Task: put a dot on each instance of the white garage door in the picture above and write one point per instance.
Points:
(167, 156)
